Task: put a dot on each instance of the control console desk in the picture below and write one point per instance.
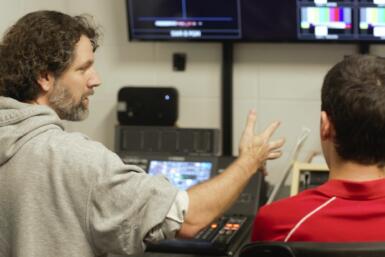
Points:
(224, 236)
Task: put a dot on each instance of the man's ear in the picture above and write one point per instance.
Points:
(327, 129)
(46, 81)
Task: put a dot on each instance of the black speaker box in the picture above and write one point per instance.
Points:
(148, 106)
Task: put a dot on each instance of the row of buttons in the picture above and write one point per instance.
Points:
(228, 231)
(222, 230)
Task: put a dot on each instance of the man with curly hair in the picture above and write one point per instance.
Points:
(62, 194)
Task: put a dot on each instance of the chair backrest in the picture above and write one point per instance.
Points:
(313, 249)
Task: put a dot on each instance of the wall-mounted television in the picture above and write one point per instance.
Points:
(257, 20)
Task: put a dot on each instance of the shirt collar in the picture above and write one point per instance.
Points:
(354, 190)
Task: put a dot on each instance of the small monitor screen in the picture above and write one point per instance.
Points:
(326, 22)
(182, 174)
(185, 19)
(372, 22)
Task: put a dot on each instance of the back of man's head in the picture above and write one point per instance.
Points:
(353, 96)
(39, 43)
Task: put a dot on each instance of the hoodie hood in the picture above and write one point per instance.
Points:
(20, 122)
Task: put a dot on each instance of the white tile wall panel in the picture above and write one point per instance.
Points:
(34, 5)
(199, 113)
(246, 80)
(202, 75)
(10, 12)
(111, 15)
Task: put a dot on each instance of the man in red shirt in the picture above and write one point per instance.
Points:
(350, 207)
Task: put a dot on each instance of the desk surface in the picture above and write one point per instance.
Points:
(158, 254)
(153, 254)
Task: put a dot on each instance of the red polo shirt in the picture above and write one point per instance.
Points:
(338, 211)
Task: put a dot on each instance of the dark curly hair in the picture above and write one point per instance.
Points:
(353, 96)
(39, 43)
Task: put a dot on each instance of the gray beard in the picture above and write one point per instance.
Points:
(65, 106)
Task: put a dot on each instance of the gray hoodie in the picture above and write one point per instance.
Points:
(62, 194)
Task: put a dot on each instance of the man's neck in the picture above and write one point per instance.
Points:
(347, 170)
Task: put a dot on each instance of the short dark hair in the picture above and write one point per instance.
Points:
(40, 42)
(353, 96)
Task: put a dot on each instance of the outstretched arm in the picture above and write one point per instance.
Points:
(212, 198)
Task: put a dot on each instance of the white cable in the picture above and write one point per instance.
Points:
(292, 158)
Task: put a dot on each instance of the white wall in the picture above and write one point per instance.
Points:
(282, 81)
